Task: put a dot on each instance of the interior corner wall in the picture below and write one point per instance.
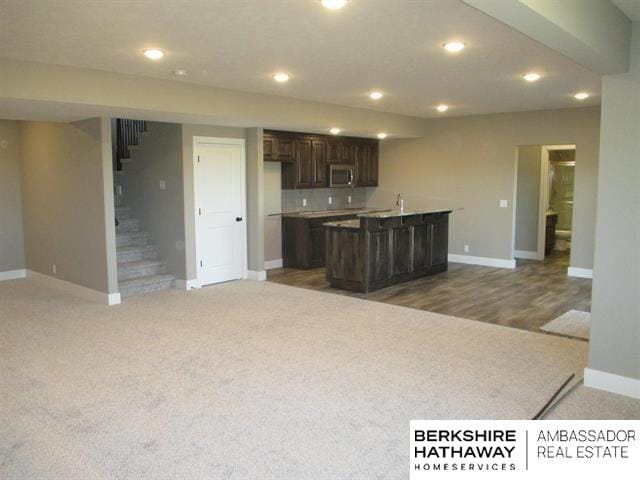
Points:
(64, 196)
(158, 158)
(272, 209)
(528, 197)
(470, 162)
(255, 199)
(615, 319)
(188, 132)
(11, 234)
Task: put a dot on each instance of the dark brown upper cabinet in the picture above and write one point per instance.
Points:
(306, 158)
(278, 148)
(366, 159)
(304, 166)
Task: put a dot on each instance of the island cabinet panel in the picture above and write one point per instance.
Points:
(391, 249)
(422, 235)
(306, 158)
(304, 240)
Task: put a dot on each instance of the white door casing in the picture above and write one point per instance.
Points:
(220, 209)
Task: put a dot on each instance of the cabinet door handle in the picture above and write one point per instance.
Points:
(238, 219)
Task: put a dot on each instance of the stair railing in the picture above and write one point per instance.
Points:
(127, 135)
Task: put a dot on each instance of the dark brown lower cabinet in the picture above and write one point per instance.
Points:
(303, 240)
(386, 251)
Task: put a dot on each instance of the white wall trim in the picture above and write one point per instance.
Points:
(486, 261)
(187, 284)
(612, 383)
(271, 264)
(528, 254)
(77, 290)
(580, 272)
(257, 275)
(13, 274)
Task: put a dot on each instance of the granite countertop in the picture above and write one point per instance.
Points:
(333, 213)
(355, 223)
(396, 213)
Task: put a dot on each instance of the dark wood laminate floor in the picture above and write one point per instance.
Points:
(526, 297)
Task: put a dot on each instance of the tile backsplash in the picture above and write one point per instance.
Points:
(318, 199)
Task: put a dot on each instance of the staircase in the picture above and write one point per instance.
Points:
(140, 269)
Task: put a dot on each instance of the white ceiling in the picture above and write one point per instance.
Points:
(631, 8)
(334, 57)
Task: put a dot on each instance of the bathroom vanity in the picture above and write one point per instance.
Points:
(385, 248)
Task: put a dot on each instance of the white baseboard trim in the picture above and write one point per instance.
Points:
(257, 275)
(77, 290)
(486, 261)
(580, 272)
(529, 255)
(611, 382)
(13, 274)
(271, 264)
(187, 284)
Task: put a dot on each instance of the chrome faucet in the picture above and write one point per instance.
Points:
(400, 203)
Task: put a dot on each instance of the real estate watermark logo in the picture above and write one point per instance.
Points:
(523, 449)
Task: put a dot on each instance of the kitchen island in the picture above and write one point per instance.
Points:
(385, 248)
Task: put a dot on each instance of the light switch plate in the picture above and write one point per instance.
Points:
(504, 203)
(163, 185)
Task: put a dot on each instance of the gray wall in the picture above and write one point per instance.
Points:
(255, 199)
(272, 207)
(188, 132)
(67, 201)
(11, 237)
(470, 162)
(528, 197)
(161, 212)
(615, 321)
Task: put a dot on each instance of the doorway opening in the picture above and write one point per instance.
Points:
(545, 177)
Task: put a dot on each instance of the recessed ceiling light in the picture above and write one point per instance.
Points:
(454, 47)
(180, 72)
(531, 76)
(153, 53)
(376, 95)
(281, 77)
(335, 131)
(442, 108)
(333, 4)
(382, 135)
(581, 95)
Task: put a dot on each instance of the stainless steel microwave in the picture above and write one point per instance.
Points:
(341, 176)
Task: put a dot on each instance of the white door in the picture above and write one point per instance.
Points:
(220, 209)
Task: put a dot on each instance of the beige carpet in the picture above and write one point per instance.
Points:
(574, 323)
(255, 380)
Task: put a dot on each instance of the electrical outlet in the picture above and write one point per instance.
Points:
(163, 185)
(330, 200)
(54, 269)
(504, 203)
(118, 190)
(348, 198)
(304, 202)
(466, 249)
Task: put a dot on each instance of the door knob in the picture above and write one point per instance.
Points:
(238, 219)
